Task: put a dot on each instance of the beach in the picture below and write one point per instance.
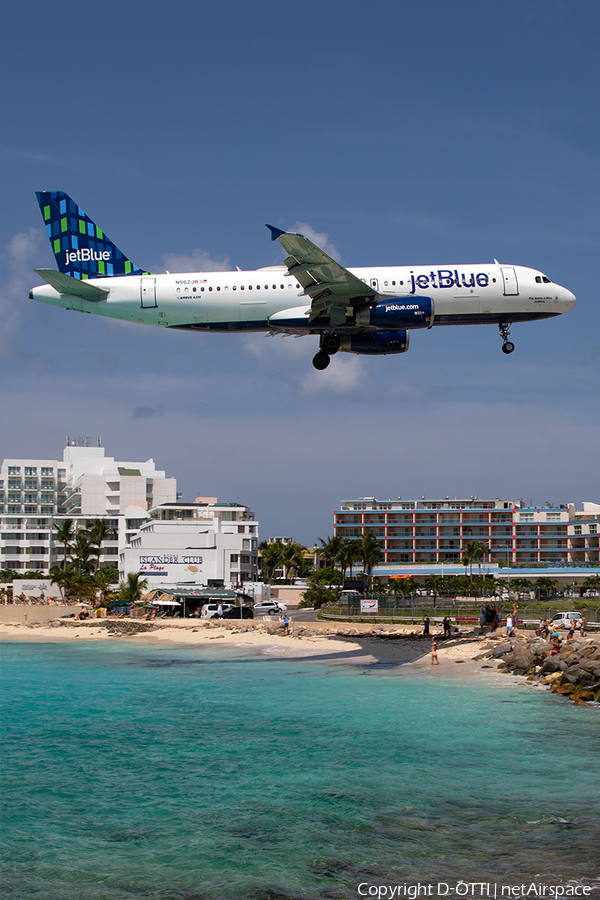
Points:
(350, 643)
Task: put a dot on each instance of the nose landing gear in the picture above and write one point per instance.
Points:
(507, 346)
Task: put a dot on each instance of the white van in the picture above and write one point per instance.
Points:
(209, 610)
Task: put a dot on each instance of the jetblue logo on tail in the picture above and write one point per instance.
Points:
(81, 249)
(85, 255)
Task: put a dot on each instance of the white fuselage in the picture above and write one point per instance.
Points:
(247, 301)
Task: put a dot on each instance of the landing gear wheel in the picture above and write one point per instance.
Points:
(330, 343)
(321, 360)
(508, 347)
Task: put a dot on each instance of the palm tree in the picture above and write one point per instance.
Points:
(59, 576)
(131, 590)
(292, 557)
(64, 534)
(434, 583)
(369, 552)
(103, 579)
(474, 552)
(348, 554)
(97, 532)
(81, 552)
(270, 555)
(330, 549)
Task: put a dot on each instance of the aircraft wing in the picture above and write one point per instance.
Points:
(329, 285)
(64, 284)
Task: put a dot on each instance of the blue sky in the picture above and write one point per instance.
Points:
(398, 132)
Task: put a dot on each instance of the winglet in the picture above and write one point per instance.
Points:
(275, 232)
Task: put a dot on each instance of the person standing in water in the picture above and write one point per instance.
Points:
(434, 657)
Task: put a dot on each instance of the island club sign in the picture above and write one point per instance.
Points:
(170, 559)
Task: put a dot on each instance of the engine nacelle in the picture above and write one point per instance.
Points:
(375, 342)
(397, 312)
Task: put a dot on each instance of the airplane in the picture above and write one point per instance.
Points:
(369, 310)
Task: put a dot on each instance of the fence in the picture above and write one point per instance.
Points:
(406, 611)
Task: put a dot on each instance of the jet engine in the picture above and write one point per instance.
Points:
(397, 312)
(375, 342)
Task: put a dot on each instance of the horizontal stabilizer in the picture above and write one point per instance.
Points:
(64, 284)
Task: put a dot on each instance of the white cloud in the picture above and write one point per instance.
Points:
(197, 261)
(22, 250)
(344, 374)
(320, 238)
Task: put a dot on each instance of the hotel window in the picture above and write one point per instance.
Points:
(14, 484)
(14, 498)
(593, 529)
(14, 470)
(31, 484)
(526, 517)
(47, 470)
(30, 470)
(577, 529)
(553, 517)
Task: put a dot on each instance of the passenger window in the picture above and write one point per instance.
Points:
(242, 288)
(234, 288)
(210, 289)
(258, 287)
(194, 290)
(281, 286)
(218, 288)
(393, 282)
(201, 289)
(274, 287)
(266, 287)
(249, 287)
(385, 283)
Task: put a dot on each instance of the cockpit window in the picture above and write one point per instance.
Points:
(541, 279)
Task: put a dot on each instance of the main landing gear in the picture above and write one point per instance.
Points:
(507, 346)
(330, 344)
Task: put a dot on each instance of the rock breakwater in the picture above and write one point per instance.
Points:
(571, 669)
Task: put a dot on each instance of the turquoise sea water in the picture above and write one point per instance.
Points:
(134, 772)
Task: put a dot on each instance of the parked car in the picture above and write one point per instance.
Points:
(564, 619)
(239, 612)
(209, 610)
(269, 607)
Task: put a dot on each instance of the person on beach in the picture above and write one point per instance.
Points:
(482, 620)
(434, 657)
(220, 611)
(582, 627)
(515, 615)
(509, 625)
(426, 626)
(555, 642)
(447, 629)
(571, 630)
(286, 623)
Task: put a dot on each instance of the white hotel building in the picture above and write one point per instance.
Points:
(139, 503)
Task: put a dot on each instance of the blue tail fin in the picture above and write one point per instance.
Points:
(81, 249)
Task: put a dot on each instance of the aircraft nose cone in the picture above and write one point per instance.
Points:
(570, 300)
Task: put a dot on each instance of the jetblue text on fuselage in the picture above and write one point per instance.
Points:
(448, 278)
